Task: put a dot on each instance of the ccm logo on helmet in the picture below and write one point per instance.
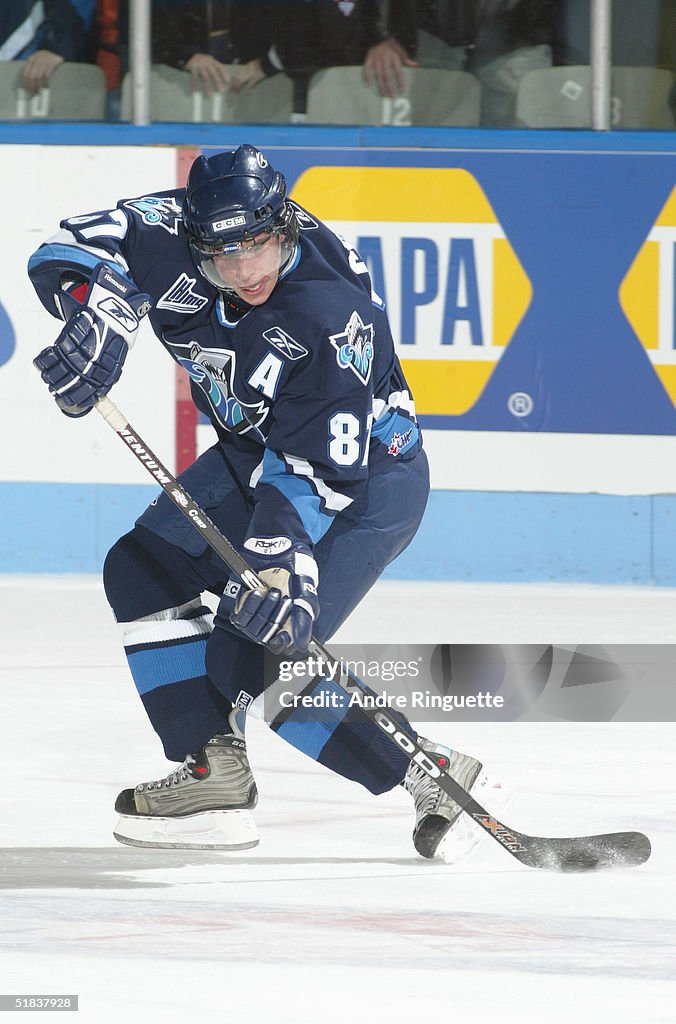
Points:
(229, 222)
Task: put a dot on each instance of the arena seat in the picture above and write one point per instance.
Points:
(76, 92)
(431, 97)
(172, 99)
(560, 97)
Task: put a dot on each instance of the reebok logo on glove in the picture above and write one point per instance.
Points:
(119, 311)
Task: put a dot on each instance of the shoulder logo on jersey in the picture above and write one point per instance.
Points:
(157, 212)
(400, 442)
(284, 343)
(213, 369)
(181, 298)
(305, 221)
(354, 347)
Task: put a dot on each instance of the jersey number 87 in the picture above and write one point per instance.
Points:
(344, 446)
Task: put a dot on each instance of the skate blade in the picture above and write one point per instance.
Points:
(465, 835)
(209, 830)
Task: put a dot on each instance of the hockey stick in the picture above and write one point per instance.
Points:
(581, 853)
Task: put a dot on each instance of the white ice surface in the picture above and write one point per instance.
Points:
(333, 918)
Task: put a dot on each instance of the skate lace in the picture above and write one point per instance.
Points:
(180, 774)
(424, 791)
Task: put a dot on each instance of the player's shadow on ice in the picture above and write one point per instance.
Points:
(109, 867)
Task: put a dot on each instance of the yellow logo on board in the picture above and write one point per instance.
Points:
(437, 254)
(647, 296)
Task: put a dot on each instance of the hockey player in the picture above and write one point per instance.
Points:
(318, 474)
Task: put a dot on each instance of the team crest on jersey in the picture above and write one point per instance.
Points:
(354, 347)
(213, 369)
(284, 343)
(181, 297)
(157, 212)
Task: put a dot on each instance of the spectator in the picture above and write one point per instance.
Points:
(496, 40)
(106, 43)
(213, 41)
(44, 34)
(309, 35)
(206, 38)
(107, 52)
(196, 36)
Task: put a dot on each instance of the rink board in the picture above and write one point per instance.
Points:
(532, 295)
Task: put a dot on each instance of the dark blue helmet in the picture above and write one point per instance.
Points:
(231, 198)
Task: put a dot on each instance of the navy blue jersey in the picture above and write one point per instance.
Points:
(305, 391)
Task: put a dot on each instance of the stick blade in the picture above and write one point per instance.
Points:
(585, 853)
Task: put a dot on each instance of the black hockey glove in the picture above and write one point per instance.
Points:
(282, 617)
(87, 357)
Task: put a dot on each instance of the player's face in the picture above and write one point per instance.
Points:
(253, 270)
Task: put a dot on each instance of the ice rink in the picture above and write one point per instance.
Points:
(333, 918)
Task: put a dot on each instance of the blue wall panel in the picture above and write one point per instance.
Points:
(65, 527)
(465, 535)
(532, 537)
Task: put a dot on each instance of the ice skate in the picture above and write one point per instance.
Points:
(205, 804)
(441, 828)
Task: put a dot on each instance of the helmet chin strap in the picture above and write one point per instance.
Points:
(292, 249)
(236, 300)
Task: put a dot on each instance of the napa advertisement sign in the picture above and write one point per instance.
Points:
(453, 285)
(527, 291)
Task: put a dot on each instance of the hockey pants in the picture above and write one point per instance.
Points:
(189, 674)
